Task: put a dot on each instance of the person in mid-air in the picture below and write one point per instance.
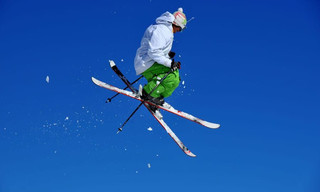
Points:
(154, 57)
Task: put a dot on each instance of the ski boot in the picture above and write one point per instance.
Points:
(145, 96)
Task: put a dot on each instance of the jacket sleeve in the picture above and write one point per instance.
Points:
(157, 44)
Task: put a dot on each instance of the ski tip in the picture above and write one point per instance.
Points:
(112, 63)
(211, 125)
(94, 80)
(189, 153)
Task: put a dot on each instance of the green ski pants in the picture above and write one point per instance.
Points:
(154, 74)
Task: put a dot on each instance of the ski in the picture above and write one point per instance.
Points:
(159, 118)
(166, 106)
(157, 115)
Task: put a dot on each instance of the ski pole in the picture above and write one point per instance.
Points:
(110, 98)
(161, 80)
(120, 129)
(142, 102)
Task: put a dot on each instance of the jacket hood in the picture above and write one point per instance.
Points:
(166, 19)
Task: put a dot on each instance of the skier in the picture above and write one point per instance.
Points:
(154, 57)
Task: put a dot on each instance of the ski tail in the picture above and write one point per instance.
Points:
(122, 77)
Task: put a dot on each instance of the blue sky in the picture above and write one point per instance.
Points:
(252, 66)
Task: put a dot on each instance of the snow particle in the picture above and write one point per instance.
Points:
(150, 129)
(182, 82)
(47, 79)
(149, 165)
(66, 119)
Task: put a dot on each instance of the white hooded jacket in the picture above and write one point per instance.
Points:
(155, 45)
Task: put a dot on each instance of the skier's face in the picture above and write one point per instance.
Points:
(176, 28)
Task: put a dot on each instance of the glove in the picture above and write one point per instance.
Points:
(175, 65)
(171, 54)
